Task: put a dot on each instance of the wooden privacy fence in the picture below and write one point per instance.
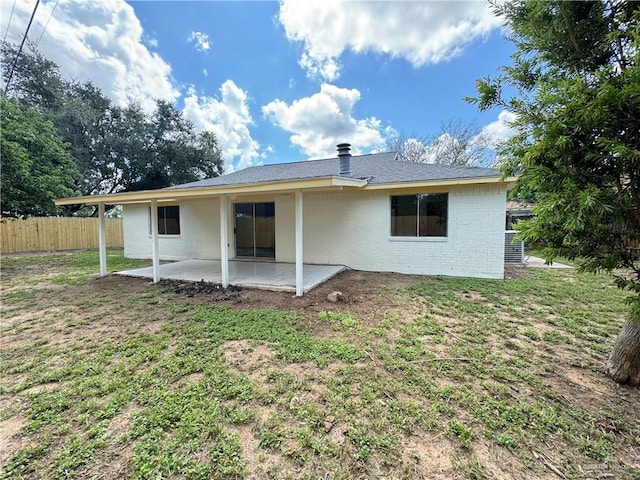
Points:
(56, 233)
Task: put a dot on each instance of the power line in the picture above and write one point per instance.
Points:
(24, 38)
(9, 24)
(47, 24)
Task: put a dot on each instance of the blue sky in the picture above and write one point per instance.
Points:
(281, 81)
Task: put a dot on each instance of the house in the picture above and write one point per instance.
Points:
(366, 212)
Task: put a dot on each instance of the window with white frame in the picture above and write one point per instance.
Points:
(168, 220)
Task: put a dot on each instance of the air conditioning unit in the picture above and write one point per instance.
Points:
(513, 251)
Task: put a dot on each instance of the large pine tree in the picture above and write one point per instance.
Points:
(578, 150)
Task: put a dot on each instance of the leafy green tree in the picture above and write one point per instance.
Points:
(576, 71)
(35, 167)
(36, 80)
(115, 148)
(83, 117)
(162, 149)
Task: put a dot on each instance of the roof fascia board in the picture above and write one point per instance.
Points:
(441, 183)
(176, 194)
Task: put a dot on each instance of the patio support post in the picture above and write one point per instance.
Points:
(224, 241)
(299, 245)
(102, 240)
(155, 253)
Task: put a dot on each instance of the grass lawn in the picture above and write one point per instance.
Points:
(413, 377)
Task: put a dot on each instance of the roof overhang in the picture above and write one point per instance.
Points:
(173, 194)
(264, 188)
(448, 182)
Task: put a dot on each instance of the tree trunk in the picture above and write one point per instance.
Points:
(624, 364)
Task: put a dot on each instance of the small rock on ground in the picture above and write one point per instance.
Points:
(335, 297)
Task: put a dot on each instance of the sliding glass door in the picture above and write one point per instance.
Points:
(255, 229)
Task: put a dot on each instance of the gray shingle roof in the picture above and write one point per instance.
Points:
(379, 168)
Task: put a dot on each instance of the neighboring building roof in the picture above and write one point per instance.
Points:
(519, 207)
(377, 168)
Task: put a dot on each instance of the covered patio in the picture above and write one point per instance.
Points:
(295, 276)
(266, 275)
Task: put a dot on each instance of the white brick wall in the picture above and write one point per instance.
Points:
(285, 229)
(199, 227)
(350, 229)
(354, 229)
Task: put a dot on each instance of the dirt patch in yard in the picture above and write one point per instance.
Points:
(499, 463)
(253, 360)
(430, 454)
(364, 292)
(115, 464)
(250, 446)
(10, 437)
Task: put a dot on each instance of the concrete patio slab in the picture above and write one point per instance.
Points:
(252, 274)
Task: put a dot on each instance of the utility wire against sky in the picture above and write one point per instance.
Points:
(24, 38)
(9, 24)
(47, 24)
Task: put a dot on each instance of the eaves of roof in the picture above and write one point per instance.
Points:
(322, 184)
(281, 186)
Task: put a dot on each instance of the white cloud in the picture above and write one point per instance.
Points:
(319, 66)
(201, 41)
(422, 32)
(324, 119)
(101, 41)
(152, 42)
(500, 129)
(228, 118)
(205, 72)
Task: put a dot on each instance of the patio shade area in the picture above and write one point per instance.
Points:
(251, 274)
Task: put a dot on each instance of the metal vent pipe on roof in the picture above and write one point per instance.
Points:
(344, 154)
